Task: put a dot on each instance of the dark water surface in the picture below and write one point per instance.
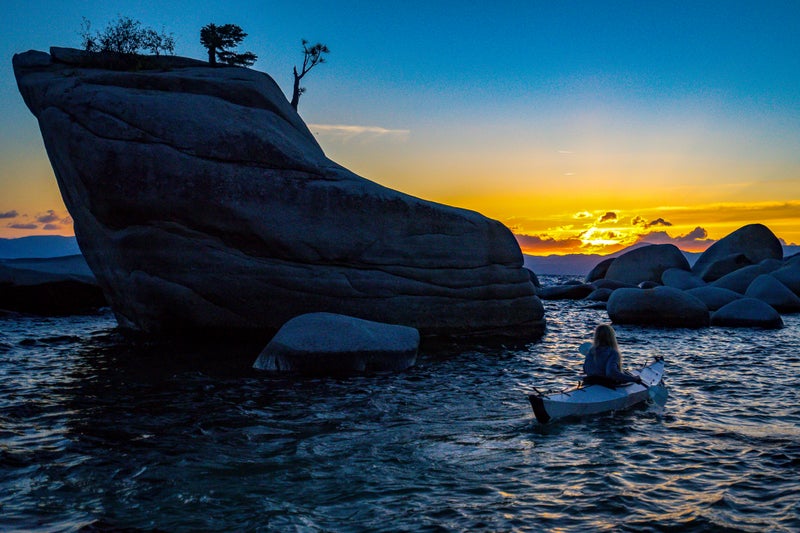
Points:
(96, 431)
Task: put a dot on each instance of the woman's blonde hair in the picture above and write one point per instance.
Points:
(604, 336)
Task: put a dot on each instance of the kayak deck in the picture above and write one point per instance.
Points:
(595, 399)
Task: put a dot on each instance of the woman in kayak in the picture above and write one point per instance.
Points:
(603, 364)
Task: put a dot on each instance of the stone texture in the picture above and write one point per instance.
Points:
(662, 306)
(326, 343)
(202, 201)
(747, 313)
(647, 263)
(771, 291)
(714, 297)
(755, 241)
(680, 279)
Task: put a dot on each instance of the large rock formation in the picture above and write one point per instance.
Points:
(202, 201)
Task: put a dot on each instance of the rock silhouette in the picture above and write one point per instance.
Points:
(201, 201)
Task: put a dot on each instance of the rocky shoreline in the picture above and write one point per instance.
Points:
(742, 280)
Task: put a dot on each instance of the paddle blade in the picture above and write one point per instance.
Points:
(585, 347)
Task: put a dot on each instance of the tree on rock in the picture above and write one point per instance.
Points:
(219, 39)
(126, 36)
(312, 56)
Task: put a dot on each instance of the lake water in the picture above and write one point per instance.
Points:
(100, 433)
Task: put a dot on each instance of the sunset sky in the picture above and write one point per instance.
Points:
(583, 126)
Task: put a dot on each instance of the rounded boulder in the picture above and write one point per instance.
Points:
(647, 263)
(567, 291)
(680, 279)
(662, 306)
(747, 313)
(599, 295)
(599, 270)
(789, 276)
(755, 241)
(714, 297)
(741, 279)
(771, 291)
(329, 344)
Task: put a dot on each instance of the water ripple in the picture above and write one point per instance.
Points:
(100, 432)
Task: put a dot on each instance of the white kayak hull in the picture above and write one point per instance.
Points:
(595, 399)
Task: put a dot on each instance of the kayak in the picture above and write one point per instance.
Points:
(594, 399)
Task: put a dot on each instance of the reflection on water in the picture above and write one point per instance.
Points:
(95, 430)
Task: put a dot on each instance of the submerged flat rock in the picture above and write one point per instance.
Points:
(201, 200)
(326, 343)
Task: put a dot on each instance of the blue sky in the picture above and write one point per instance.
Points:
(531, 112)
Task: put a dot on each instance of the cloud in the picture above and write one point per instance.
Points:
(49, 218)
(582, 214)
(658, 222)
(23, 226)
(9, 214)
(348, 132)
(695, 239)
(608, 217)
(543, 243)
(638, 221)
(51, 227)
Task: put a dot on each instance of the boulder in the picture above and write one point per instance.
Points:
(648, 285)
(755, 241)
(57, 286)
(680, 279)
(565, 292)
(647, 263)
(662, 306)
(739, 280)
(534, 278)
(326, 343)
(723, 266)
(771, 291)
(789, 276)
(747, 313)
(714, 297)
(600, 269)
(202, 202)
(599, 295)
(611, 284)
(792, 260)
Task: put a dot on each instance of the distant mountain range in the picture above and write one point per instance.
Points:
(570, 264)
(582, 264)
(38, 247)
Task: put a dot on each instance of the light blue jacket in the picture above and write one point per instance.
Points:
(604, 362)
